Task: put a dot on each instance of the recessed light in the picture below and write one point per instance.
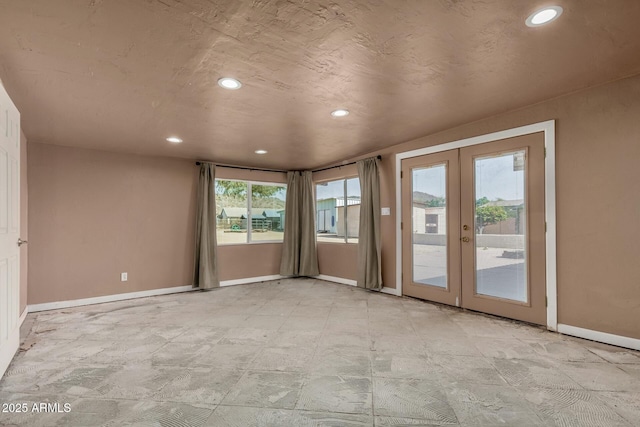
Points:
(174, 139)
(229, 83)
(340, 113)
(261, 151)
(543, 16)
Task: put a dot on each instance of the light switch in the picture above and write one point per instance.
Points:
(386, 211)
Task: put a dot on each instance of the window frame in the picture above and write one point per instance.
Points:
(345, 240)
(249, 211)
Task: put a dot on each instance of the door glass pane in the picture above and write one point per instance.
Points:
(429, 225)
(500, 226)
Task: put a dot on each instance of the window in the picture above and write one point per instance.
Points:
(249, 212)
(338, 210)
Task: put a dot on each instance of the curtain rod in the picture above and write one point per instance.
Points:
(278, 170)
(379, 157)
(242, 167)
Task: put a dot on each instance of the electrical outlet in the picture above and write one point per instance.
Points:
(123, 277)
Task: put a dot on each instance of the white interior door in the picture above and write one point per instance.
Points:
(9, 230)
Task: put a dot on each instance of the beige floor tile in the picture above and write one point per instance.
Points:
(333, 393)
(233, 356)
(240, 416)
(295, 338)
(304, 323)
(406, 422)
(403, 365)
(602, 376)
(235, 416)
(345, 340)
(488, 405)
(504, 348)
(408, 344)
(334, 355)
(258, 321)
(179, 354)
(295, 359)
(341, 361)
(534, 374)
(247, 336)
(206, 386)
(625, 404)
(615, 354)
(564, 407)
(86, 412)
(311, 310)
(467, 369)
(411, 398)
(266, 389)
(565, 350)
(201, 335)
(451, 345)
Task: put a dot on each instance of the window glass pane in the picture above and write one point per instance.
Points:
(353, 209)
(231, 211)
(267, 212)
(330, 211)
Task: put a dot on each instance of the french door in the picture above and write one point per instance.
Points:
(473, 227)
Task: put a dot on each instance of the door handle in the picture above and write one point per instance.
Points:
(21, 242)
(465, 239)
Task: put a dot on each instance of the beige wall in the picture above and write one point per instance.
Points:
(96, 214)
(332, 256)
(24, 226)
(246, 261)
(597, 177)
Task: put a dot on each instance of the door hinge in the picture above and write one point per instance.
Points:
(545, 226)
(401, 174)
(545, 152)
(546, 301)
(401, 225)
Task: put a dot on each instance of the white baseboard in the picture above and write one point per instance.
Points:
(391, 291)
(106, 298)
(32, 308)
(384, 290)
(604, 337)
(337, 280)
(23, 315)
(251, 280)
(131, 295)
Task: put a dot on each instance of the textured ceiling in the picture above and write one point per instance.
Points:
(123, 75)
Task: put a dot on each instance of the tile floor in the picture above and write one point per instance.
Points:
(303, 352)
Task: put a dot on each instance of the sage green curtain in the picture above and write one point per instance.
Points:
(205, 274)
(369, 240)
(299, 252)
